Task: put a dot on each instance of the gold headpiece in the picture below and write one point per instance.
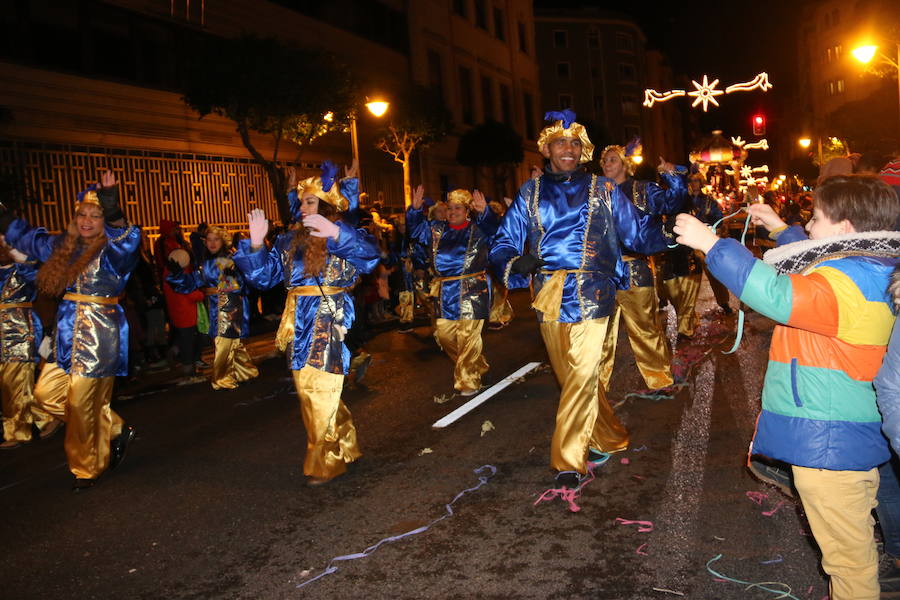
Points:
(88, 197)
(626, 160)
(223, 234)
(313, 185)
(575, 130)
(461, 197)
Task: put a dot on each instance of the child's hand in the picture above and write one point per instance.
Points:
(765, 215)
(694, 233)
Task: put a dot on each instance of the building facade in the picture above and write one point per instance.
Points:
(597, 63)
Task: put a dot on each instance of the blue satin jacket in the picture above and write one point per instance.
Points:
(226, 295)
(315, 343)
(575, 221)
(91, 339)
(457, 252)
(652, 198)
(20, 327)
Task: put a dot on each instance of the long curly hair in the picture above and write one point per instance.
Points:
(68, 260)
(314, 249)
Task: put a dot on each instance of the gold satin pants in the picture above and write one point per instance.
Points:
(501, 309)
(584, 418)
(83, 403)
(682, 292)
(406, 307)
(330, 435)
(231, 364)
(19, 407)
(461, 340)
(639, 308)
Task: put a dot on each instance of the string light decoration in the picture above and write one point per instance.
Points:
(762, 144)
(706, 92)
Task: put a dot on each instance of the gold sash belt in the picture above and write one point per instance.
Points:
(92, 299)
(5, 305)
(435, 289)
(285, 332)
(549, 299)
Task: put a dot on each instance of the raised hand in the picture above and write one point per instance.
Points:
(108, 195)
(352, 170)
(259, 227)
(321, 227)
(665, 166)
(694, 233)
(107, 179)
(765, 215)
(291, 176)
(478, 202)
(418, 197)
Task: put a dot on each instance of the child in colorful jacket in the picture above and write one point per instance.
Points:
(829, 294)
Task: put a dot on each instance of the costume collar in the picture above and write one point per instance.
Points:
(564, 176)
(801, 256)
(461, 226)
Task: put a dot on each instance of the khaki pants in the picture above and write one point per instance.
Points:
(839, 507)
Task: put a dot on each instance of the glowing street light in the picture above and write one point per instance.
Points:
(864, 54)
(377, 107)
(804, 142)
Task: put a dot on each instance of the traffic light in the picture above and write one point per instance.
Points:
(759, 125)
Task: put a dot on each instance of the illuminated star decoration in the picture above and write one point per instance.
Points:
(652, 96)
(705, 93)
(737, 141)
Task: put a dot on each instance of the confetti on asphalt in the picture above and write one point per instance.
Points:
(769, 513)
(425, 451)
(132, 570)
(721, 539)
(625, 461)
(643, 526)
(486, 426)
(778, 558)
(783, 593)
(668, 591)
(757, 497)
(640, 550)
(640, 449)
(442, 398)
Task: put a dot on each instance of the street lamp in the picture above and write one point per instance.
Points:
(804, 142)
(377, 108)
(866, 53)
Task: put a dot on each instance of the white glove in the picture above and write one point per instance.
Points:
(259, 227)
(319, 226)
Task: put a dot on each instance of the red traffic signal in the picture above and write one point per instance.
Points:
(759, 125)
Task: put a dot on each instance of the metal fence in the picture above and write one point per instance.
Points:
(189, 188)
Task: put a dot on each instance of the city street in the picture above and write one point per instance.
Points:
(211, 501)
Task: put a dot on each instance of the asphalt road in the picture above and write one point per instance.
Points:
(211, 501)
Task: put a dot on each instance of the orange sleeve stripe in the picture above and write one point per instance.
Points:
(814, 307)
(859, 362)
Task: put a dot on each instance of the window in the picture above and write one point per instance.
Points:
(840, 86)
(564, 101)
(563, 70)
(505, 104)
(523, 39)
(436, 73)
(499, 24)
(481, 14)
(593, 38)
(528, 105)
(629, 104)
(598, 105)
(828, 55)
(467, 104)
(626, 72)
(487, 97)
(624, 42)
(560, 39)
(837, 51)
(831, 88)
(459, 7)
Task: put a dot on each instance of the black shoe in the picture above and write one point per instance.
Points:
(81, 485)
(120, 445)
(568, 479)
(727, 310)
(773, 474)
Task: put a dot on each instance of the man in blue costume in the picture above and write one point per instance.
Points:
(573, 223)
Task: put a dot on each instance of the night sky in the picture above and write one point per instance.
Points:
(726, 41)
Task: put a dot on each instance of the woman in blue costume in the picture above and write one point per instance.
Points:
(229, 311)
(573, 224)
(458, 251)
(318, 260)
(89, 266)
(20, 334)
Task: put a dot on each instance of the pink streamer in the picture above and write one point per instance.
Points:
(769, 513)
(757, 497)
(640, 550)
(643, 526)
(568, 495)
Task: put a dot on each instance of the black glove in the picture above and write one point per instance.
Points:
(109, 200)
(526, 264)
(175, 267)
(230, 271)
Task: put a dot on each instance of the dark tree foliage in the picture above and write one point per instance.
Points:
(270, 88)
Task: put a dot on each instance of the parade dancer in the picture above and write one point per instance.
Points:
(89, 265)
(458, 249)
(319, 260)
(229, 311)
(20, 334)
(573, 224)
(638, 305)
